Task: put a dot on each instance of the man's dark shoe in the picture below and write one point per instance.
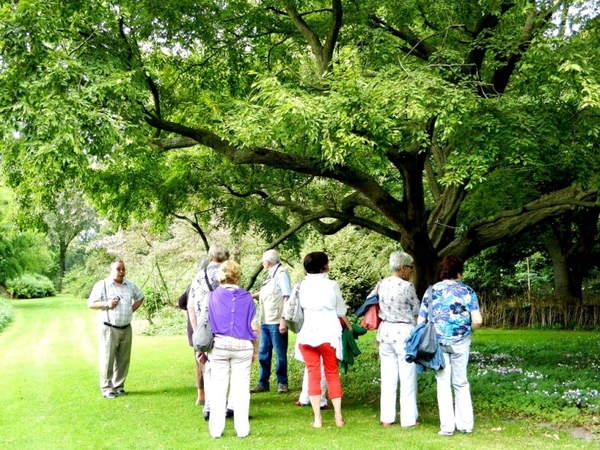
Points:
(282, 389)
(110, 395)
(120, 392)
(228, 413)
(258, 388)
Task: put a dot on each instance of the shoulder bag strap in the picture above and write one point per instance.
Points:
(106, 300)
(430, 305)
(210, 288)
(207, 281)
(272, 277)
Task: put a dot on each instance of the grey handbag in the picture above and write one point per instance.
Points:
(294, 314)
(429, 341)
(203, 337)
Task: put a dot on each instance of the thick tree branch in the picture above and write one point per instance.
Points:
(343, 217)
(491, 231)
(434, 187)
(385, 203)
(334, 30)
(536, 20)
(485, 26)
(163, 145)
(196, 226)
(333, 228)
(442, 219)
(134, 57)
(323, 53)
(419, 47)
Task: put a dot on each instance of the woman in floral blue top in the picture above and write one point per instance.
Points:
(455, 310)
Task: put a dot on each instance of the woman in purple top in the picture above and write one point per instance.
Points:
(232, 316)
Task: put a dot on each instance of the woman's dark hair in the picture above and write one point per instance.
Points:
(450, 267)
(315, 262)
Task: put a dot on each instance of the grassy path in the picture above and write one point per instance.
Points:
(49, 399)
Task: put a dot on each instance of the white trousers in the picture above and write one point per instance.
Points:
(229, 369)
(207, 388)
(454, 375)
(394, 369)
(304, 397)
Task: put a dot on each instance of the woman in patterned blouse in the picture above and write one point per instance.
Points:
(398, 309)
(455, 311)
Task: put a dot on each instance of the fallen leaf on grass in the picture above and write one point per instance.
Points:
(552, 436)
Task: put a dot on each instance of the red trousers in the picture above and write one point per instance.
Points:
(312, 358)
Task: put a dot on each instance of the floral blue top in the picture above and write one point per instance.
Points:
(453, 302)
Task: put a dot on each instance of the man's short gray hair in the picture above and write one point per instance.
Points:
(218, 253)
(272, 256)
(399, 259)
(116, 261)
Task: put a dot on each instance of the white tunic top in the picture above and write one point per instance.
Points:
(322, 302)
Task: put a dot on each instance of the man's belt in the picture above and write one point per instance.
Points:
(108, 324)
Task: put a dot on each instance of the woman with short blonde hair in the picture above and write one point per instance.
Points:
(232, 316)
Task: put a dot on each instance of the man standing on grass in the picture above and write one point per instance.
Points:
(274, 291)
(116, 299)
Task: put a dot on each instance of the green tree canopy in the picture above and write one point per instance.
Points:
(447, 126)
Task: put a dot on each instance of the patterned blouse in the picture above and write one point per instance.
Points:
(398, 307)
(199, 290)
(453, 302)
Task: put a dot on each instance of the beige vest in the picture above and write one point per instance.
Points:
(270, 300)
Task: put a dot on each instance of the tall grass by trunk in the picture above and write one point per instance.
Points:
(519, 312)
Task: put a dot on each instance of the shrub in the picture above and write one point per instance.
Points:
(168, 321)
(80, 281)
(6, 313)
(30, 285)
(154, 300)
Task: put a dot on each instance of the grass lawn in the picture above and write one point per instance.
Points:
(49, 396)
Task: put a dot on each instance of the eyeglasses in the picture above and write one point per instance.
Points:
(410, 267)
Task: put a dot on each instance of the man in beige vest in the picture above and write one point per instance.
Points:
(273, 329)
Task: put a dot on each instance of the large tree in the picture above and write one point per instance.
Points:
(276, 114)
(70, 217)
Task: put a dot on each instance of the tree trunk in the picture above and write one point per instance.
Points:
(62, 257)
(564, 288)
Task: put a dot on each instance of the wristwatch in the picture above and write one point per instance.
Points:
(105, 307)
